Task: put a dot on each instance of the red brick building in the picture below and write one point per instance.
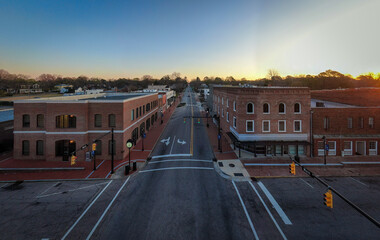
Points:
(265, 120)
(51, 128)
(348, 130)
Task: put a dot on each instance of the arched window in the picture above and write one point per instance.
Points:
(98, 150)
(25, 148)
(26, 120)
(266, 108)
(112, 120)
(281, 108)
(297, 108)
(250, 108)
(66, 121)
(98, 120)
(40, 120)
(148, 124)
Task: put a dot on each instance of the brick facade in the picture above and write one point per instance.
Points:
(272, 138)
(85, 131)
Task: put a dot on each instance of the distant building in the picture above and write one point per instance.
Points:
(26, 89)
(52, 128)
(271, 121)
(158, 87)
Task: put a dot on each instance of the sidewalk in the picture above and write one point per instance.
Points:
(11, 169)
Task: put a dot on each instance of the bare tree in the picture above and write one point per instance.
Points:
(272, 73)
(46, 77)
(175, 75)
(147, 77)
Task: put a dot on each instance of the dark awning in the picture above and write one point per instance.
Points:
(235, 140)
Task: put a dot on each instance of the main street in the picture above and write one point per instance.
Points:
(180, 195)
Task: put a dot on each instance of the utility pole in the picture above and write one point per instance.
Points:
(112, 153)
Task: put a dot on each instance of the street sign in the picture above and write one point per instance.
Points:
(327, 147)
(144, 135)
(219, 137)
(129, 143)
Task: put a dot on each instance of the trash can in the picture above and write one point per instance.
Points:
(127, 170)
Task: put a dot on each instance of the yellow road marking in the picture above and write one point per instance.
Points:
(192, 123)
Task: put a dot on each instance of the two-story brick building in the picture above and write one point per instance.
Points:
(347, 129)
(52, 128)
(265, 120)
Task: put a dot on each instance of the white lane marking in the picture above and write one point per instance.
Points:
(306, 183)
(279, 210)
(246, 212)
(266, 208)
(180, 160)
(46, 190)
(96, 168)
(287, 164)
(173, 155)
(72, 190)
(173, 168)
(85, 211)
(171, 149)
(105, 211)
(359, 181)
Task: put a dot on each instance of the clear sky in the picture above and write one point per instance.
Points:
(115, 39)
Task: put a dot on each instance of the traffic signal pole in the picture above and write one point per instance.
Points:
(112, 153)
(338, 194)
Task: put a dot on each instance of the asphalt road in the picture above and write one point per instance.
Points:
(180, 195)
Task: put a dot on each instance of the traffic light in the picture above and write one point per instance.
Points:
(94, 147)
(73, 159)
(328, 199)
(184, 120)
(199, 120)
(292, 168)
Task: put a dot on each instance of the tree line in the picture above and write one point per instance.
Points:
(328, 79)
(48, 81)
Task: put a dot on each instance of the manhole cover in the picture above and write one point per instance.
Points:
(238, 174)
(220, 164)
(231, 165)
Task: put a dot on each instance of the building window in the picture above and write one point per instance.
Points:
(98, 120)
(266, 108)
(148, 107)
(110, 146)
(250, 126)
(112, 120)
(26, 120)
(320, 104)
(297, 126)
(140, 111)
(326, 123)
(222, 102)
(373, 148)
(227, 103)
(40, 120)
(347, 146)
(39, 147)
(132, 114)
(218, 99)
(266, 126)
(297, 108)
(349, 122)
(65, 148)
(137, 113)
(361, 122)
(250, 108)
(281, 108)
(25, 148)
(282, 125)
(98, 150)
(143, 109)
(234, 122)
(234, 106)
(228, 117)
(218, 110)
(66, 121)
(222, 113)
(371, 122)
(135, 134)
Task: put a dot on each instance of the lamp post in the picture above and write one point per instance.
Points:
(112, 152)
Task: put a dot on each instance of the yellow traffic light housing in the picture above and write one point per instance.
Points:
(94, 147)
(73, 159)
(328, 199)
(292, 168)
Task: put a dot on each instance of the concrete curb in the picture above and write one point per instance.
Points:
(57, 180)
(40, 169)
(229, 177)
